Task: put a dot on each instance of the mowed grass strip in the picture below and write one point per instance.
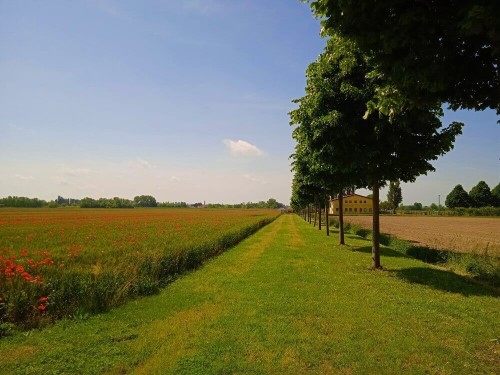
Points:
(285, 300)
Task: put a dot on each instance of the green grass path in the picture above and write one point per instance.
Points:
(287, 300)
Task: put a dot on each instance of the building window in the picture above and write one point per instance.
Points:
(355, 210)
(337, 209)
(365, 201)
(346, 209)
(350, 209)
(350, 201)
(355, 201)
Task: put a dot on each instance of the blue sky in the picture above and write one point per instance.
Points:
(185, 100)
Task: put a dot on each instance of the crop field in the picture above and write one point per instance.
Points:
(58, 262)
(459, 234)
(286, 300)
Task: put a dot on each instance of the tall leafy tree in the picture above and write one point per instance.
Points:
(444, 51)
(495, 193)
(315, 113)
(145, 201)
(458, 197)
(366, 151)
(480, 195)
(394, 195)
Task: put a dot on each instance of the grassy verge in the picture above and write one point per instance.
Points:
(481, 267)
(285, 300)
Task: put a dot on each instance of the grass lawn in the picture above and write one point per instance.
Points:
(286, 300)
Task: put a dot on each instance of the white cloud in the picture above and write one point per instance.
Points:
(25, 178)
(174, 178)
(241, 147)
(255, 179)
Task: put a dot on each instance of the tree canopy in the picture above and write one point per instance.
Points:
(495, 193)
(443, 51)
(480, 195)
(335, 143)
(145, 201)
(394, 195)
(458, 197)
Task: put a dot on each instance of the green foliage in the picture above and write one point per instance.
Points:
(417, 206)
(271, 203)
(495, 194)
(173, 204)
(465, 73)
(481, 196)
(338, 146)
(61, 201)
(145, 201)
(458, 197)
(106, 203)
(386, 206)
(482, 211)
(13, 201)
(394, 196)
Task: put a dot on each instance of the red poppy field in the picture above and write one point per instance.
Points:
(69, 262)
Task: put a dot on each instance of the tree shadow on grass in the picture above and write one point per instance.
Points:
(357, 238)
(384, 251)
(443, 280)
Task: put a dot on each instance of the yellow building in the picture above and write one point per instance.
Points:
(353, 204)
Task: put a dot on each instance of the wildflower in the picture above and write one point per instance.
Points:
(43, 299)
(42, 307)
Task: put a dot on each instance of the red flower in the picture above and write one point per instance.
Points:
(44, 299)
(42, 307)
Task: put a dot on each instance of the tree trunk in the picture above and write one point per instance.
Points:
(376, 228)
(315, 214)
(310, 213)
(341, 217)
(327, 207)
(319, 214)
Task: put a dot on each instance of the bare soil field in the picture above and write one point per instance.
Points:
(460, 234)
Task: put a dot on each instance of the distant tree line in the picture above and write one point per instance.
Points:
(106, 203)
(479, 196)
(67, 201)
(13, 201)
(271, 203)
(116, 202)
(173, 205)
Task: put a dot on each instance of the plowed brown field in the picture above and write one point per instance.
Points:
(462, 234)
